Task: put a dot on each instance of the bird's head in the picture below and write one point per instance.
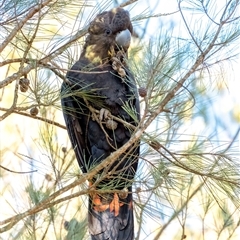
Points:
(109, 31)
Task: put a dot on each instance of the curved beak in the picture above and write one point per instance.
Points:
(123, 39)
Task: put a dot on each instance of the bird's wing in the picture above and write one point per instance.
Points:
(73, 109)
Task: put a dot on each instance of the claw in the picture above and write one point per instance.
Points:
(114, 205)
(98, 206)
(103, 114)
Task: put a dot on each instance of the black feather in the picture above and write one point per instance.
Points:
(105, 88)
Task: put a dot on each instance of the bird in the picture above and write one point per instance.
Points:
(98, 98)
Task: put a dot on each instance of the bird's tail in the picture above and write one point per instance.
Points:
(111, 216)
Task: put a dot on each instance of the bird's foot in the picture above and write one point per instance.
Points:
(108, 201)
(104, 114)
(113, 206)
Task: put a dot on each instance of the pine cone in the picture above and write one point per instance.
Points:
(24, 83)
(123, 194)
(142, 91)
(138, 189)
(110, 124)
(34, 111)
(64, 149)
(48, 177)
(155, 145)
(23, 88)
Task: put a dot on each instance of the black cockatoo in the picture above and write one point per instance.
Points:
(98, 87)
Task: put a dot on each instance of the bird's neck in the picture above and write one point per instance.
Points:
(97, 54)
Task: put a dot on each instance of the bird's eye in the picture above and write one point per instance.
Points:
(108, 31)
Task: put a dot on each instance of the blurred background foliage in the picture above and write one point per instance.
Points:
(187, 185)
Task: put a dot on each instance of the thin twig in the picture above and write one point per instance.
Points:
(20, 24)
(127, 3)
(35, 117)
(43, 60)
(9, 170)
(157, 237)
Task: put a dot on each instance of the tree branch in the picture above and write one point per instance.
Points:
(20, 24)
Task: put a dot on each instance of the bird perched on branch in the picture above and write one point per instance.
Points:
(100, 104)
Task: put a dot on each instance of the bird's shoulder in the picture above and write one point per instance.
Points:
(102, 78)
